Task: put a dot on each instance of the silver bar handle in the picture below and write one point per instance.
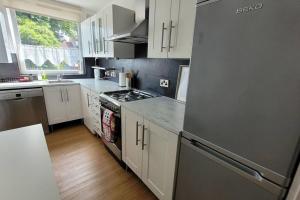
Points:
(16, 99)
(143, 138)
(162, 37)
(170, 35)
(137, 133)
(67, 92)
(88, 99)
(61, 96)
(89, 44)
(104, 46)
(237, 167)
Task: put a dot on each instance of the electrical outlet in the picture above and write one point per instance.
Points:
(164, 83)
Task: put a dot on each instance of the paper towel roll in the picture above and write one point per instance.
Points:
(122, 79)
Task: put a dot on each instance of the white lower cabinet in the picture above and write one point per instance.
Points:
(91, 110)
(63, 103)
(150, 151)
(86, 107)
(131, 140)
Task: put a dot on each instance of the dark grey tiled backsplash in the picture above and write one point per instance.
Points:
(148, 72)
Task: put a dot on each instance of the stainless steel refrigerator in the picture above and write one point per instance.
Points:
(241, 137)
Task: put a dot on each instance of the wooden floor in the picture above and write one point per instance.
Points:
(85, 170)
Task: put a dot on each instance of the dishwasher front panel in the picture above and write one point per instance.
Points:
(21, 108)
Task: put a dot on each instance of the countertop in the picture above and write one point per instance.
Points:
(98, 86)
(33, 84)
(163, 111)
(25, 167)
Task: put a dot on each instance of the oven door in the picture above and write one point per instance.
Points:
(116, 147)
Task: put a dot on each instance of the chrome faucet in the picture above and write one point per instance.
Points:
(59, 77)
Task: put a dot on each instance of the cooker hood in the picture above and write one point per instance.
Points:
(135, 34)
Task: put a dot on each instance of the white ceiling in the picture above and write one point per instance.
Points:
(92, 5)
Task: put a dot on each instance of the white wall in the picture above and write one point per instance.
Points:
(294, 193)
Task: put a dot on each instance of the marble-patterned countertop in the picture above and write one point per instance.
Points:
(163, 111)
(99, 86)
(26, 169)
(33, 84)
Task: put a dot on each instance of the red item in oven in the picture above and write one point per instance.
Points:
(108, 126)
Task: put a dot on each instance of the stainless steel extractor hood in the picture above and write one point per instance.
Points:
(135, 34)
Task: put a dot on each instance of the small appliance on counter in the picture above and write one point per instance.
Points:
(99, 72)
(129, 80)
(122, 78)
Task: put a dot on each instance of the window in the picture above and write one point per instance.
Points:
(48, 44)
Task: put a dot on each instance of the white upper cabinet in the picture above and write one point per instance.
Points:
(86, 38)
(97, 31)
(98, 34)
(158, 35)
(171, 28)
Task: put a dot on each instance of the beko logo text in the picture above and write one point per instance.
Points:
(249, 8)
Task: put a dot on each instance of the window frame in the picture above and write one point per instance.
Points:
(21, 61)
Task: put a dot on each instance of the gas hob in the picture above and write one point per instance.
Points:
(113, 100)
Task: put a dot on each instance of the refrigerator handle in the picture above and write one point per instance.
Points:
(235, 166)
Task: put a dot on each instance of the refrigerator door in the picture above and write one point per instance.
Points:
(244, 88)
(207, 175)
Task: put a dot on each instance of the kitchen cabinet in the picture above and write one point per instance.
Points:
(150, 151)
(86, 108)
(91, 110)
(63, 103)
(131, 140)
(97, 26)
(95, 112)
(98, 29)
(86, 38)
(171, 28)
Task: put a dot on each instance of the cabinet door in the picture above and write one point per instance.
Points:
(183, 13)
(94, 34)
(86, 38)
(159, 160)
(55, 105)
(131, 130)
(86, 99)
(159, 19)
(100, 35)
(73, 102)
(109, 45)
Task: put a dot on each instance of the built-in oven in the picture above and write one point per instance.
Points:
(116, 146)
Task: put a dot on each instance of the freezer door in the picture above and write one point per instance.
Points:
(244, 87)
(206, 175)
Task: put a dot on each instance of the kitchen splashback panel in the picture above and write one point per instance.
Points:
(148, 72)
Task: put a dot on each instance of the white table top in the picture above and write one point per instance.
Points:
(25, 166)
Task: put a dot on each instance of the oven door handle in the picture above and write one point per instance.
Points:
(115, 114)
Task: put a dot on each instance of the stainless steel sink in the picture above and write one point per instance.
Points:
(60, 81)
